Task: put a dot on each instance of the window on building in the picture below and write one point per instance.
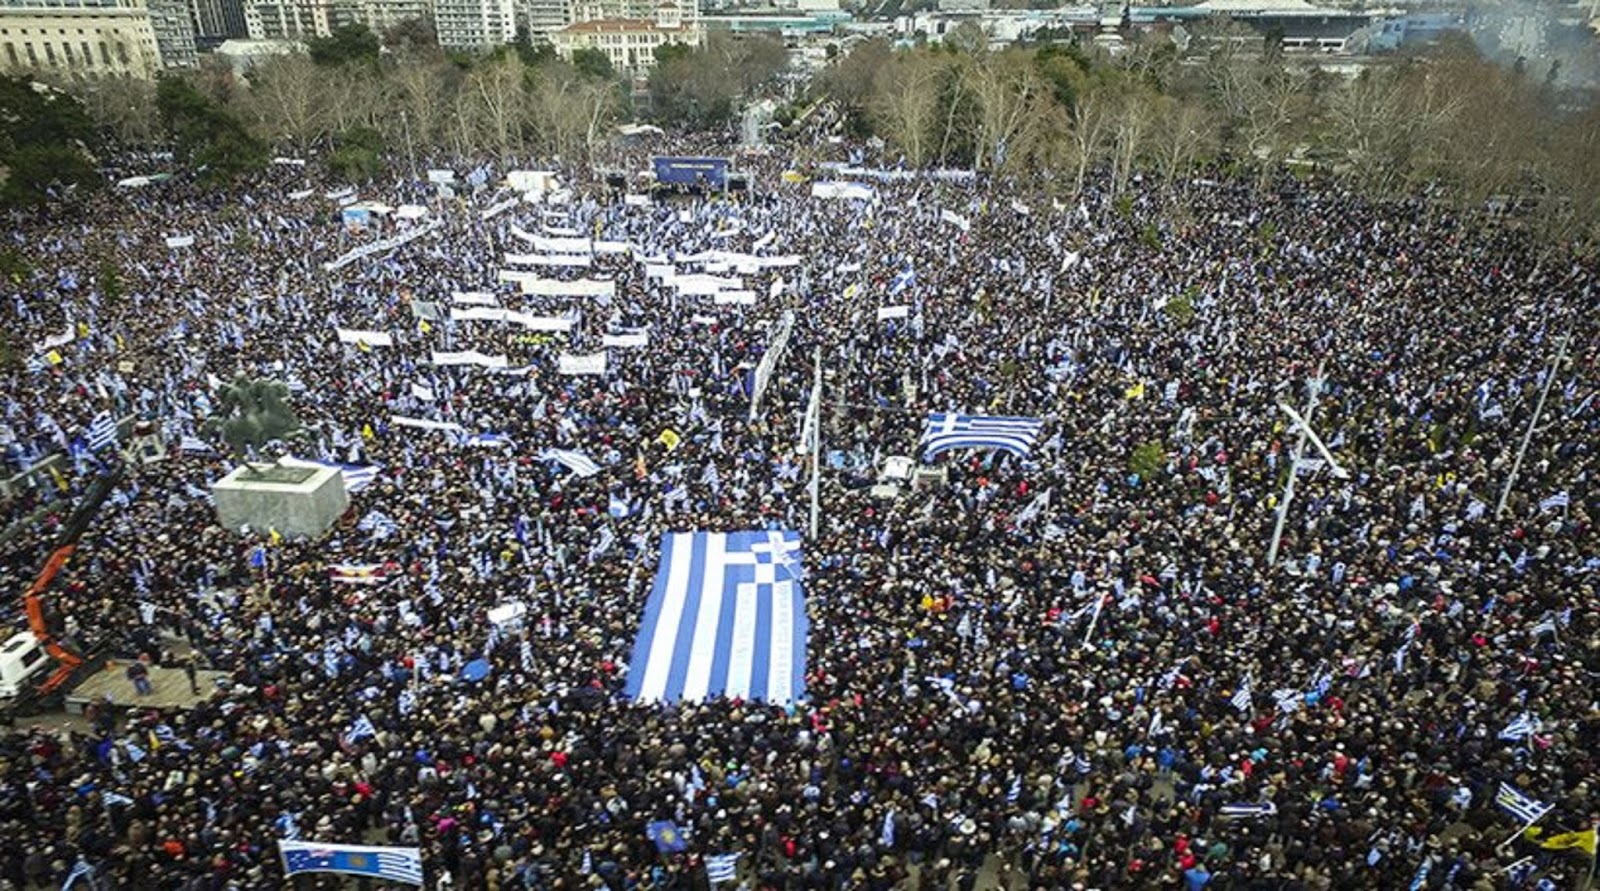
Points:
(11, 56)
(50, 53)
(66, 50)
(88, 57)
(105, 54)
(122, 52)
(33, 60)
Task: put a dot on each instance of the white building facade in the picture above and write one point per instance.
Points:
(79, 39)
(474, 24)
(630, 43)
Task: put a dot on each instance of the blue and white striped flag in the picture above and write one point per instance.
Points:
(391, 863)
(1015, 792)
(886, 835)
(378, 524)
(80, 870)
(194, 444)
(102, 432)
(955, 431)
(1082, 765)
(721, 868)
(1241, 697)
(726, 617)
(356, 476)
(1558, 501)
(905, 278)
(1528, 810)
(406, 702)
(1521, 727)
(1244, 811)
(361, 729)
(577, 462)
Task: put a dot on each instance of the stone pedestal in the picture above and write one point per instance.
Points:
(308, 507)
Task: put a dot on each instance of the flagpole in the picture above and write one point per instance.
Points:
(1294, 471)
(815, 412)
(1099, 604)
(1525, 827)
(1533, 423)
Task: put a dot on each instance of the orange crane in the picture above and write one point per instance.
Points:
(67, 662)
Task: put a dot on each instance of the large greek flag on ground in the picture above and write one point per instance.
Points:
(726, 617)
(953, 431)
(393, 864)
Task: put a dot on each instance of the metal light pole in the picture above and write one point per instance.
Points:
(1294, 469)
(1516, 466)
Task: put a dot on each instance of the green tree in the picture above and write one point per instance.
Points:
(205, 133)
(351, 43)
(357, 154)
(702, 86)
(594, 63)
(45, 143)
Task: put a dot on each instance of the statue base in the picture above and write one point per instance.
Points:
(295, 501)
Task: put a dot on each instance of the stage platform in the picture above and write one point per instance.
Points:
(169, 688)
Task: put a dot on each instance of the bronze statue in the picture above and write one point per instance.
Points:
(253, 413)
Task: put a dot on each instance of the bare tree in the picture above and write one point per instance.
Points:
(290, 100)
(1004, 86)
(904, 102)
(568, 110)
(495, 94)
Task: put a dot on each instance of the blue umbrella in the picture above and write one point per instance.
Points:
(476, 670)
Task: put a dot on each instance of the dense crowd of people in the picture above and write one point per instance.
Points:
(1076, 669)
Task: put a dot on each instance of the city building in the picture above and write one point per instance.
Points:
(174, 30)
(474, 24)
(542, 17)
(380, 15)
(217, 20)
(288, 19)
(630, 43)
(79, 38)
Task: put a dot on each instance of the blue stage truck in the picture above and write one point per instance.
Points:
(705, 172)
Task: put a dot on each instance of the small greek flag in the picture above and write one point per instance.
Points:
(1249, 811)
(1521, 727)
(80, 870)
(1526, 809)
(1082, 765)
(886, 835)
(102, 432)
(902, 280)
(1558, 501)
(361, 729)
(406, 702)
(577, 462)
(721, 867)
(1015, 792)
(1288, 700)
(1241, 698)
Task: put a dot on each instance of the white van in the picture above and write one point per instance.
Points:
(21, 658)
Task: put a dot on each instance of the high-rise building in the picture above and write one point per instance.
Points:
(79, 38)
(541, 17)
(216, 20)
(474, 24)
(174, 30)
(381, 15)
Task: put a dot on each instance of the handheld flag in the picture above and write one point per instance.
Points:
(392, 864)
(946, 431)
(721, 868)
(667, 838)
(1528, 810)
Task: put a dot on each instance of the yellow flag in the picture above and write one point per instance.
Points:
(669, 438)
(54, 357)
(366, 431)
(60, 481)
(1136, 391)
(424, 327)
(273, 538)
(850, 291)
(363, 346)
(83, 329)
(793, 176)
(155, 741)
(1583, 841)
(119, 340)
